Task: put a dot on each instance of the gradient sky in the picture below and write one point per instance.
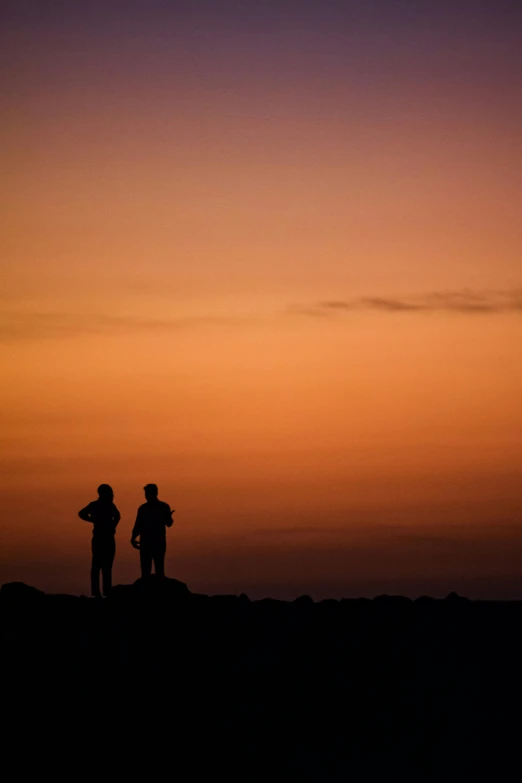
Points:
(268, 256)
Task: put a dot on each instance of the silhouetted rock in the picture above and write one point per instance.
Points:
(19, 591)
(389, 600)
(303, 602)
(152, 587)
(225, 600)
(339, 690)
(455, 598)
(63, 598)
(425, 600)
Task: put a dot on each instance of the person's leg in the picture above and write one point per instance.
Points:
(108, 560)
(159, 562)
(95, 571)
(146, 562)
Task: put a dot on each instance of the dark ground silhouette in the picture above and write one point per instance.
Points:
(157, 680)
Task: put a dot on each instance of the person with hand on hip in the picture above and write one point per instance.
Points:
(104, 517)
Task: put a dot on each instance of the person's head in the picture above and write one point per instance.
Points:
(105, 492)
(151, 491)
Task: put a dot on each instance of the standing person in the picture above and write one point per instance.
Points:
(152, 519)
(105, 517)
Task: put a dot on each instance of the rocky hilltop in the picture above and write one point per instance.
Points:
(157, 675)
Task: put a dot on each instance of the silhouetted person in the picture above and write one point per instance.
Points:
(152, 519)
(105, 517)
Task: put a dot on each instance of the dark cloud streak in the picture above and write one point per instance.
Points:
(30, 325)
(465, 302)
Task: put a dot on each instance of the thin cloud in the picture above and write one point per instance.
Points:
(31, 325)
(338, 305)
(390, 305)
(28, 325)
(466, 302)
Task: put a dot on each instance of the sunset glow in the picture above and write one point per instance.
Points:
(267, 256)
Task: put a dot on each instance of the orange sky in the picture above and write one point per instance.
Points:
(274, 268)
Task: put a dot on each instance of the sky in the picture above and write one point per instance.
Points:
(269, 257)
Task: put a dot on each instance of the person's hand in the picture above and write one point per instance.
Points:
(135, 544)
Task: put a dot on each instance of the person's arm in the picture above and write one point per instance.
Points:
(85, 513)
(136, 531)
(117, 515)
(168, 515)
